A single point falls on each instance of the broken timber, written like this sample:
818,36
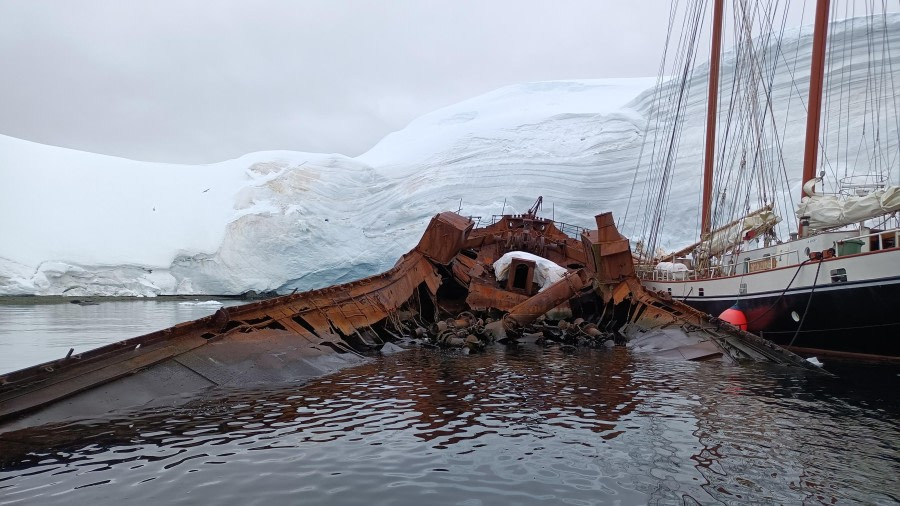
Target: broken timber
303,335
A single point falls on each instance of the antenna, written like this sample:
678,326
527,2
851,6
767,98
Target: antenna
504,207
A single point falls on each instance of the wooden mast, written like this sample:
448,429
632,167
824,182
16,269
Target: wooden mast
715,52
814,108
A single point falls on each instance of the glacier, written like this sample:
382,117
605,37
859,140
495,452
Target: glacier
81,224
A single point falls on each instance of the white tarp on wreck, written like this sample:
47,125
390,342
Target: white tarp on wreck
545,272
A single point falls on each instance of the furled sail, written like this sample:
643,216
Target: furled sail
742,230
827,211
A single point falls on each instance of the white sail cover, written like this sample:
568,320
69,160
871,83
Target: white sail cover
743,230
826,211
546,272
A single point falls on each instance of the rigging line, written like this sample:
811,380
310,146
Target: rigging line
787,193
879,153
773,163
825,161
672,123
890,73
742,103
849,88
808,303
866,99
828,80
791,69
781,295
654,216
657,92
758,164
871,87
888,89
723,146
652,171
845,80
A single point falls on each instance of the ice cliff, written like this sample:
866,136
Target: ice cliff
78,223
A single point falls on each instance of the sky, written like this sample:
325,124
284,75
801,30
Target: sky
201,81
186,81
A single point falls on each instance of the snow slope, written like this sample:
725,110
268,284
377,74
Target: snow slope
79,223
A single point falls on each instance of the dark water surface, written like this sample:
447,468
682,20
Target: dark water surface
522,425
511,426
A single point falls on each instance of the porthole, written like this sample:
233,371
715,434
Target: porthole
795,316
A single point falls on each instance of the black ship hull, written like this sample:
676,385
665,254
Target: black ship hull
861,317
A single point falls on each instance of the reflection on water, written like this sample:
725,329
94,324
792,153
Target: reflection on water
32,334
511,426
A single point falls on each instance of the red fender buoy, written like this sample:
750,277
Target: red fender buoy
734,316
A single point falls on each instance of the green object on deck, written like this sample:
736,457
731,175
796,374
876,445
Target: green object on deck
851,247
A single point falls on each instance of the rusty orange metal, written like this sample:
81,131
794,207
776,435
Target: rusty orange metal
484,295
552,296
444,237
451,269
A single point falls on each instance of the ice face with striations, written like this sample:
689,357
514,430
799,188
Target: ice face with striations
79,223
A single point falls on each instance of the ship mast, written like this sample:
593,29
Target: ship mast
814,110
715,52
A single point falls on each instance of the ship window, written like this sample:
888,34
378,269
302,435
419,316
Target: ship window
839,275
700,292
743,289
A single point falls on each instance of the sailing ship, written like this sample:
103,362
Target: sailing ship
835,284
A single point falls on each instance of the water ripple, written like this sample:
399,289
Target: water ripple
520,426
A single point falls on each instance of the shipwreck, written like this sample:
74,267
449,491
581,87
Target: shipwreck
463,286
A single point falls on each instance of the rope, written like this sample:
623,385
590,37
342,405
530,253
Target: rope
808,303
782,292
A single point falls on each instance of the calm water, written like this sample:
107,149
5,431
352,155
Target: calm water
31,334
511,426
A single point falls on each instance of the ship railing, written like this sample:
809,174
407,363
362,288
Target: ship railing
570,230
769,261
650,272
885,239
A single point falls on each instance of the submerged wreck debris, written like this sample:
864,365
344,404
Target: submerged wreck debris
555,283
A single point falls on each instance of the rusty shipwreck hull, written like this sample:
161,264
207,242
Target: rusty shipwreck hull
283,339
448,274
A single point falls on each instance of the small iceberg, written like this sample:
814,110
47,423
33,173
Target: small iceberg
202,303
814,361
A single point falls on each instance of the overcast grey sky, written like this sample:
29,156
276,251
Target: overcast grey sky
202,81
